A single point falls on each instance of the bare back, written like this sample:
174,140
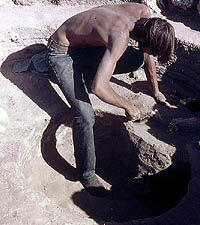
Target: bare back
95,26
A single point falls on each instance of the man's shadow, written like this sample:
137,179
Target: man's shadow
37,88
49,150
41,92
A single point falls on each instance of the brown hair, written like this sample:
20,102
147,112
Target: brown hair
157,34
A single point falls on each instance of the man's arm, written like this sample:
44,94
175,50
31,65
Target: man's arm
101,85
150,71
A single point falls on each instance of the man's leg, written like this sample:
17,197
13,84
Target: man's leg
73,87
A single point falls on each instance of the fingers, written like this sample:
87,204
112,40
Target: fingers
135,116
165,103
160,98
169,105
132,115
135,119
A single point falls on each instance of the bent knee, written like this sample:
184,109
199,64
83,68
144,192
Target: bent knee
84,114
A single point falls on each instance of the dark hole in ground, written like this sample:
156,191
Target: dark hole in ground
156,193
193,105
164,189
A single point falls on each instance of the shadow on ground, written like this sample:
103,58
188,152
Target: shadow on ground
189,17
38,89
121,204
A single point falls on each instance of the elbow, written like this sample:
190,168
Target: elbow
96,89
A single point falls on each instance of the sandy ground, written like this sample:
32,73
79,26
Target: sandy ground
37,165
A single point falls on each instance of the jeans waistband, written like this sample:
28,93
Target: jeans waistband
56,45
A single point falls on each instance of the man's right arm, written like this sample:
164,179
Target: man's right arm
101,85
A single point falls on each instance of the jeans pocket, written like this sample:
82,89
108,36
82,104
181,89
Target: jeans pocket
52,65
59,63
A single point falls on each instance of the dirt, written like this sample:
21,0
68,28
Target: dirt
38,179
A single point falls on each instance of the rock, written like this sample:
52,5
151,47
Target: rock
184,4
140,148
23,2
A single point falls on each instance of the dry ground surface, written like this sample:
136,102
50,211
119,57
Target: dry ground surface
37,170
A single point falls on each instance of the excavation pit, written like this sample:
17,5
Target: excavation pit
134,193
151,171
145,165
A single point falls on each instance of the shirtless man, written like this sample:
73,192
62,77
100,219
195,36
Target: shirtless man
108,26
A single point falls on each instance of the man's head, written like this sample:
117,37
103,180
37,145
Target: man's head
156,37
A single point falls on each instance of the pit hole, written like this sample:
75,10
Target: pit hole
193,105
54,175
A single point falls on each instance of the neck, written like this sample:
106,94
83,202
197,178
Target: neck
137,30
134,34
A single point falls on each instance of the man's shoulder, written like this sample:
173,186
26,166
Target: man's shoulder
138,9
146,13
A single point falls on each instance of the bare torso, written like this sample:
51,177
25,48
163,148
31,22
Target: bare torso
109,26
95,26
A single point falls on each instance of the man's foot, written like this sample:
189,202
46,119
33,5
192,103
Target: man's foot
94,187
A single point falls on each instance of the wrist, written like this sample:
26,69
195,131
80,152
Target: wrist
156,92
127,106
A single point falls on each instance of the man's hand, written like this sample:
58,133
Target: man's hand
160,98
150,71
133,112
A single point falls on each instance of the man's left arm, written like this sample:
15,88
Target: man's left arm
150,71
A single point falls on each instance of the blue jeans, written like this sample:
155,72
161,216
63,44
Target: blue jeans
71,82
73,70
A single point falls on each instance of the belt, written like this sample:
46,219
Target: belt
51,43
